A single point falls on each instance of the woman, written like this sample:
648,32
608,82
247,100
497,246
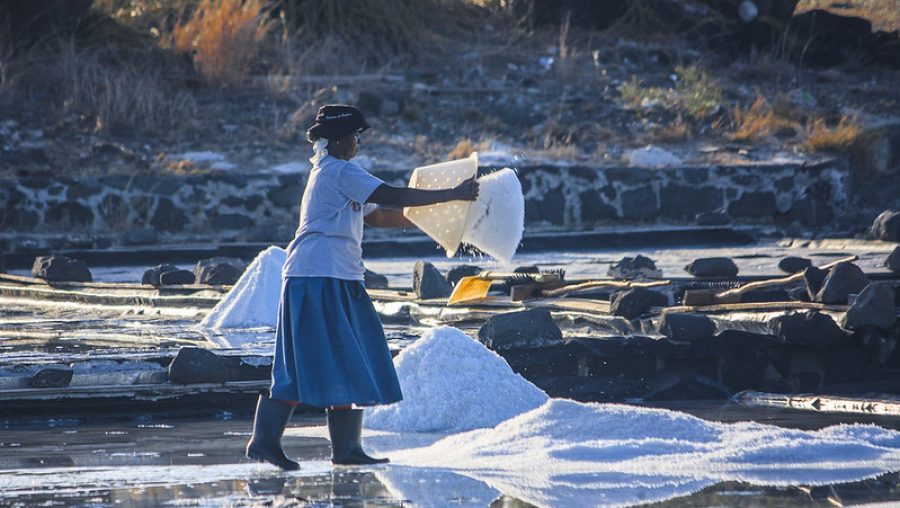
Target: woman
330,349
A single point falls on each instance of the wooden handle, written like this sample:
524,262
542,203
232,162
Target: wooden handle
603,283
780,281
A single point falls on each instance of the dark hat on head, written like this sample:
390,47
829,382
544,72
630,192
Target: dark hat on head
335,121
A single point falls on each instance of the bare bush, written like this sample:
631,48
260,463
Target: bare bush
224,38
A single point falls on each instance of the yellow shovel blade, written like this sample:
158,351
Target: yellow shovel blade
470,289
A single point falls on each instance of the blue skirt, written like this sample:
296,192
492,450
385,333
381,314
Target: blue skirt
330,348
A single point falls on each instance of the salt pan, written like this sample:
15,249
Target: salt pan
452,383
497,218
253,300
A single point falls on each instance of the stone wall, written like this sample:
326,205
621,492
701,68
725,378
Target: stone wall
572,197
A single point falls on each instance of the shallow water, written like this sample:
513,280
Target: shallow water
163,461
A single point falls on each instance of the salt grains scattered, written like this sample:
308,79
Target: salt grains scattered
253,301
497,219
452,383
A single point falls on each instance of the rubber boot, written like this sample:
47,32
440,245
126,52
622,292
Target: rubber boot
268,427
345,430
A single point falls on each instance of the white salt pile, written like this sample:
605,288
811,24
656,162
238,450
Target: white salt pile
557,452
253,300
452,383
497,218
567,453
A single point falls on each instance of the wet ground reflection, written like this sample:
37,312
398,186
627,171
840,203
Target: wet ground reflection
160,461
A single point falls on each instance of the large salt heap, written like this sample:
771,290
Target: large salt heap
253,300
452,383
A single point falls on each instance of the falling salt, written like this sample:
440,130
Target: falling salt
497,218
253,301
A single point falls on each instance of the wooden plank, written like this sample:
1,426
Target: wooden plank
573,304
10,280
751,307
46,294
823,403
140,391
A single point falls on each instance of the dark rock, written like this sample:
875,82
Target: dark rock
219,271
753,205
638,267
375,280
550,208
197,365
873,308
814,277
168,217
60,269
429,283
267,232
716,218
685,386
526,329
842,281
892,262
806,372
458,272
527,269
231,221
151,276
887,226
686,202
70,213
639,204
594,208
176,278
287,197
82,190
712,267
140,236
632,303
793,264
809,328
814,207
51,377
798,294
686,327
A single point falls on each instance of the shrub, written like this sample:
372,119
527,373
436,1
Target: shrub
758,121
223,37
843,137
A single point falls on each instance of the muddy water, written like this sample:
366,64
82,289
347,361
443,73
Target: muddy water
165,461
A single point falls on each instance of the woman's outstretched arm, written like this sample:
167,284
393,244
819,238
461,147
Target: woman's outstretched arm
384,217
398,197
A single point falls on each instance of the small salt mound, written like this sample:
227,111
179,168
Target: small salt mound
497,218
652,157
452,383
253,301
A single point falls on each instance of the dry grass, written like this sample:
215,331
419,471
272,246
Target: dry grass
696,93
842,138
759,121
463,149
125,94
224,38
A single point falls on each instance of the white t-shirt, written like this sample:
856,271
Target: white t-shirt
328,242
